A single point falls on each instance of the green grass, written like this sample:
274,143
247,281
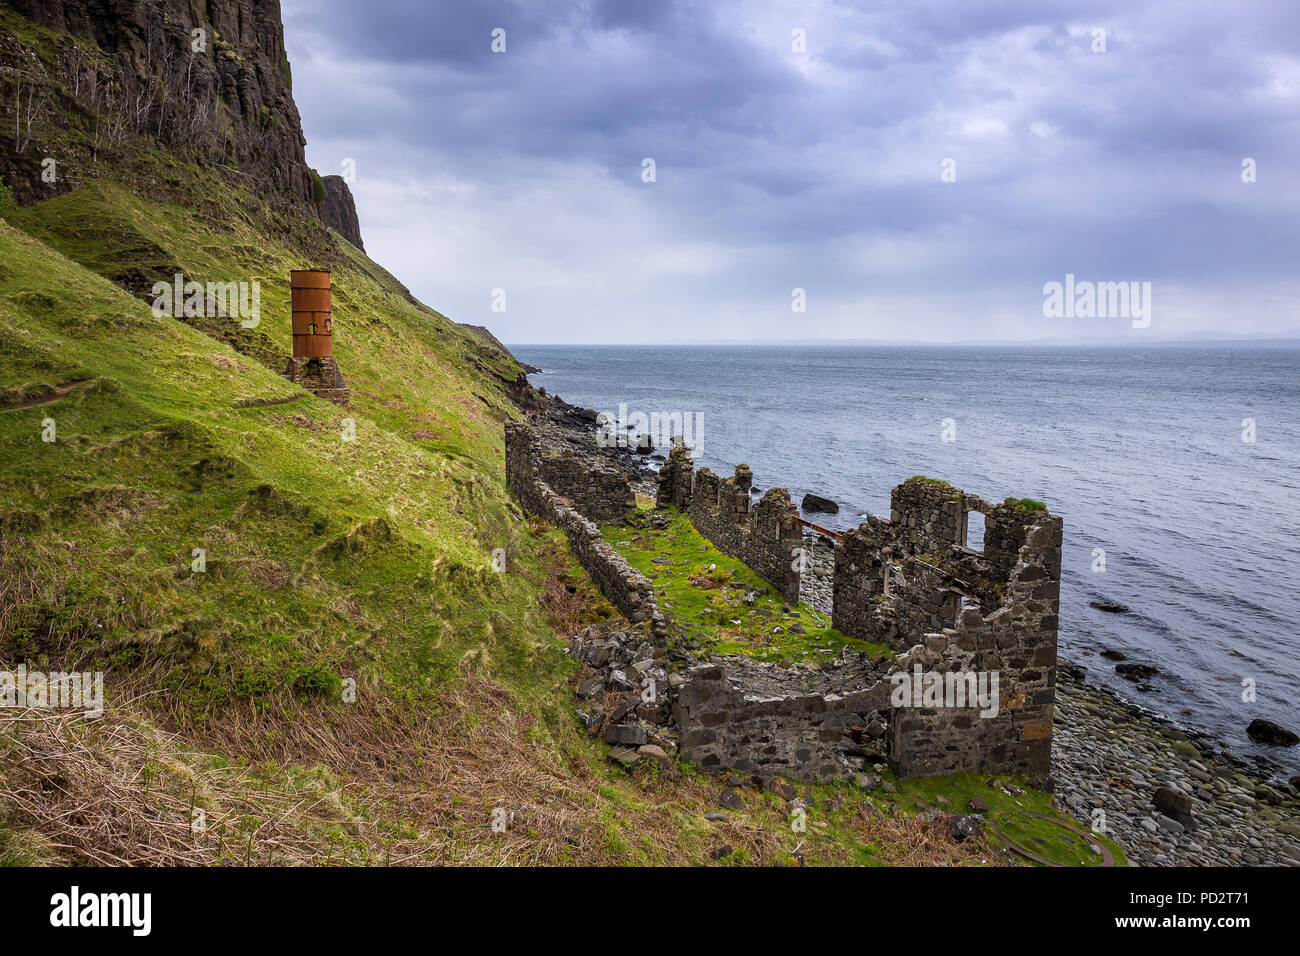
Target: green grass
1041,837
711,603
327,557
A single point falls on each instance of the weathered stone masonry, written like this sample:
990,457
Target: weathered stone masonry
732,718
909,583
626,588
766,536
990,611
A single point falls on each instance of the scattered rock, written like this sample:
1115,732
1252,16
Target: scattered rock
1175,805
1169,825
963,826
624,707
1266,732
731,800
867,781
1110,607
657,754
627,734
978,806
780,788
1071,670
1112,655
1136,672
624,756
814,503
722,852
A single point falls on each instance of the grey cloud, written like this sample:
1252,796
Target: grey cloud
821,171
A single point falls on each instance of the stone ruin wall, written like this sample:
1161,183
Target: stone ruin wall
626,588
726,722
995,610
766,535
948,609
598,491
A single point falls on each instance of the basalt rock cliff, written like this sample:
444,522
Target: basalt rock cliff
339,212
86,82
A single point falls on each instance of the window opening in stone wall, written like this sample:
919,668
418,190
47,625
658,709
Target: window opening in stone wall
974,531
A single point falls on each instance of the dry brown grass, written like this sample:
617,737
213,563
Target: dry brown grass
382,781
377,783
19,584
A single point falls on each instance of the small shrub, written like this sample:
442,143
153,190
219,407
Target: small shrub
318,681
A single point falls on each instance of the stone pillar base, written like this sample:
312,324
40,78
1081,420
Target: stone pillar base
321,377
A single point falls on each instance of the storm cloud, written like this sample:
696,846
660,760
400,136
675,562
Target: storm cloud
802,146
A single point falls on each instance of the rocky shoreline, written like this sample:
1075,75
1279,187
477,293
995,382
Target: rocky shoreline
1170,797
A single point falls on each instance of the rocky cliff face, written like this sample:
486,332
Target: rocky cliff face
205,79
338,210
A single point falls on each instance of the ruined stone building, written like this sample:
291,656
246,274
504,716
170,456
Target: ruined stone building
910,583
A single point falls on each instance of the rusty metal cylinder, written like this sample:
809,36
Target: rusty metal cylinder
309,290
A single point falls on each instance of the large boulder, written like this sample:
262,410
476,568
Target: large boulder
1175,805
815,503
1266,732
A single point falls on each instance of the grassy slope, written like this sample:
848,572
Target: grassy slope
158,442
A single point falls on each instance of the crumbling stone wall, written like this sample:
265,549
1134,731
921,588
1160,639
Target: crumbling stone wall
676,481
1018,640
599,491
626,588
765,536
740,718
975,612
911,584
931,571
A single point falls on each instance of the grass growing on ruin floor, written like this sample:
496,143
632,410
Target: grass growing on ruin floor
706,590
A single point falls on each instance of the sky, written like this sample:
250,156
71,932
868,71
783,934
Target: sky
914,171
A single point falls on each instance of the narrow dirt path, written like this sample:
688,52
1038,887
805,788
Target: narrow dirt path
57,394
